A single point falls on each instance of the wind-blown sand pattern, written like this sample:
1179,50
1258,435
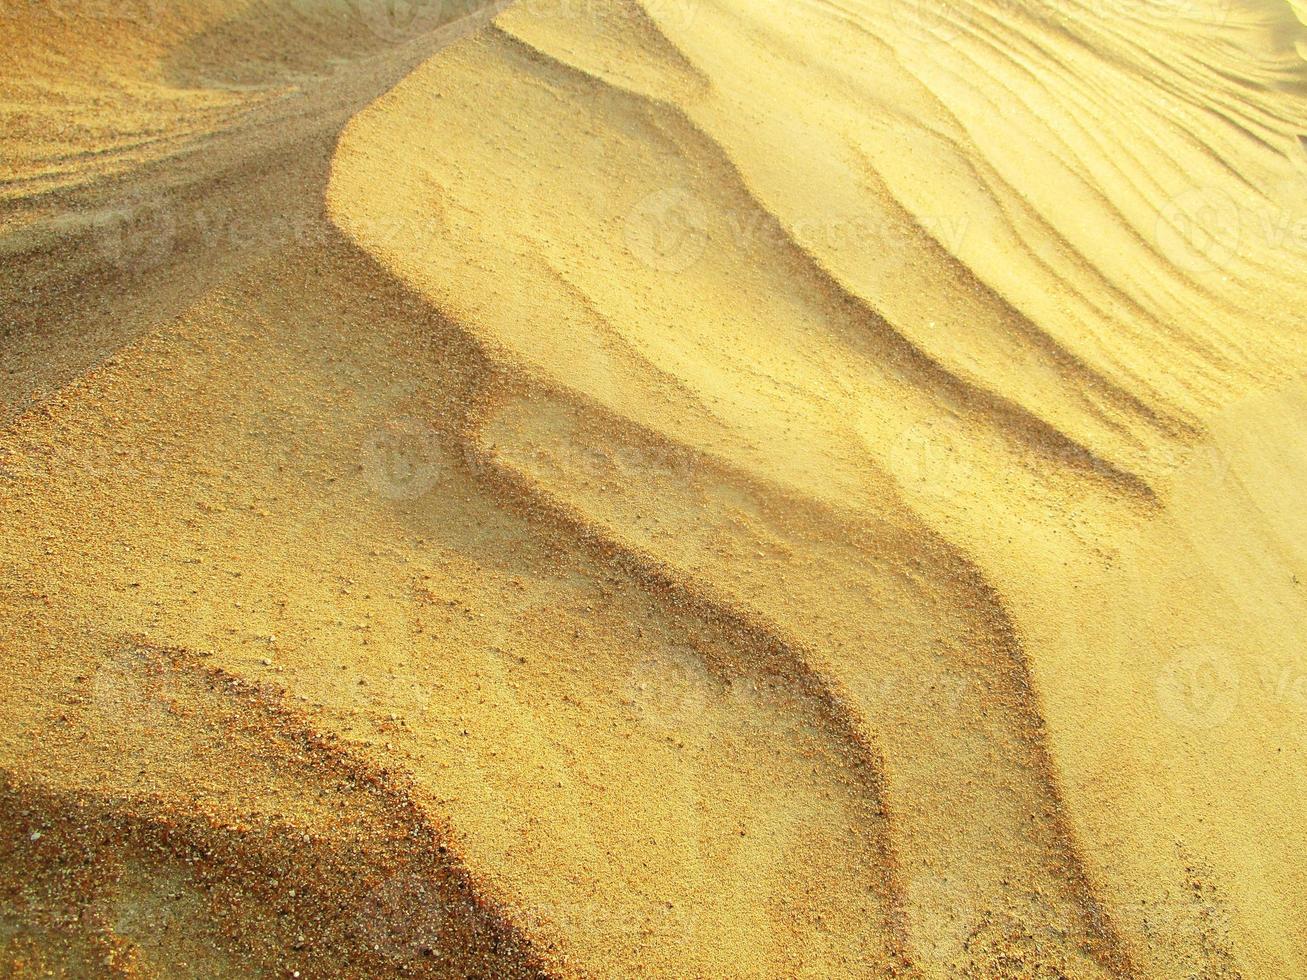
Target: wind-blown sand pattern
680,488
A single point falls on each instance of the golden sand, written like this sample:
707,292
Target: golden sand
661,488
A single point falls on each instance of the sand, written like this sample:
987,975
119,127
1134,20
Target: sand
679,488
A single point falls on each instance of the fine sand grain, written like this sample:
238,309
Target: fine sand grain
653,488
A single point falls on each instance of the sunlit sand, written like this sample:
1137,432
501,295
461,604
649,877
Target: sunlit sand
677,488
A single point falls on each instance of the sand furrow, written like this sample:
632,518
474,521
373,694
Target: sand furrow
947,907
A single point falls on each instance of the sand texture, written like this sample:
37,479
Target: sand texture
653,488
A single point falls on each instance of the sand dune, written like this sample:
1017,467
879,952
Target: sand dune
668,488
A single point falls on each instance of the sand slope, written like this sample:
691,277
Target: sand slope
668,489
